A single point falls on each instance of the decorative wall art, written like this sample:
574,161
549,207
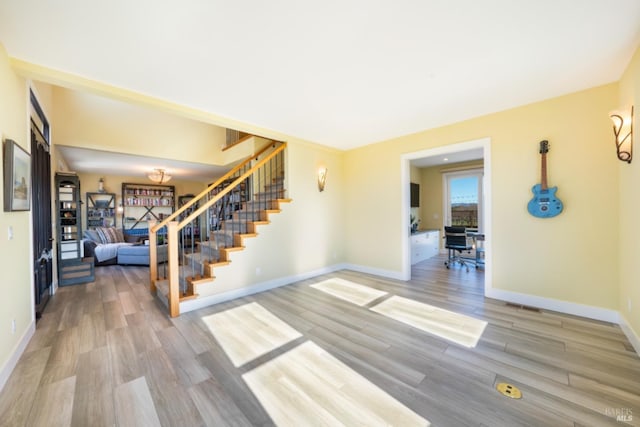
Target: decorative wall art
17,177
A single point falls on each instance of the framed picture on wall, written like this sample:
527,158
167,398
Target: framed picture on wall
17,177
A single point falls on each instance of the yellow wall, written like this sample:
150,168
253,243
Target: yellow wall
90,121
16,283
630,202
573,257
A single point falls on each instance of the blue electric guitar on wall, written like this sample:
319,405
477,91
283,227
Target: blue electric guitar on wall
544,204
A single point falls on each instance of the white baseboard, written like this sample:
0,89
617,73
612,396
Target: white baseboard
196,304
597,313
391,274
21,345
632,336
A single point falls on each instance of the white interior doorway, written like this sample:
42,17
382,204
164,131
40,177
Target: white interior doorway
484,145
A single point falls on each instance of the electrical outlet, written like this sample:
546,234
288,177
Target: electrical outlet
258,271
13,326
10,233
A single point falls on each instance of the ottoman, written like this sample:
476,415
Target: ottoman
139,254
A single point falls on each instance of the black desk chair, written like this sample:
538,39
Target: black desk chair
456,242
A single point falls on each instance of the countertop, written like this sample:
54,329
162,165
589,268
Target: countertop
428,230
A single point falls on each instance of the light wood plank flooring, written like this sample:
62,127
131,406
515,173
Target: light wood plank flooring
106,354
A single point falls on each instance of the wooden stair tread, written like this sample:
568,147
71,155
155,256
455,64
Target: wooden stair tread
162,286
202,280
188,297
219,264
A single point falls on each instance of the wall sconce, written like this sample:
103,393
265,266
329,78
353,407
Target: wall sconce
623,130
322,178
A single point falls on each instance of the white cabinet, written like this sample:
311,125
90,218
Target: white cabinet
424,245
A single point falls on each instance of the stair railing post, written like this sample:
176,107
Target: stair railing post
174,269
153,256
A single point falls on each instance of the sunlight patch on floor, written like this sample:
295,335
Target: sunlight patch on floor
451,326
349,291
308,386
249,331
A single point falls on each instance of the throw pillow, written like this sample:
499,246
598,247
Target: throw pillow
120,235
109,235
92,235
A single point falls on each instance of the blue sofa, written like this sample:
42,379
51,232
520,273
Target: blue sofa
139,254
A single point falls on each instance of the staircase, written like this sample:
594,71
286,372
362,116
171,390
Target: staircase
231,210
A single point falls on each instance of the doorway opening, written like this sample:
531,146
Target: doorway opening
476,165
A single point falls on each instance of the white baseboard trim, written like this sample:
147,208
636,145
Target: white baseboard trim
597,313
391,274
632,336
196,304
21,345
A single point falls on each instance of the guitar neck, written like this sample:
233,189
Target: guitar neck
543,172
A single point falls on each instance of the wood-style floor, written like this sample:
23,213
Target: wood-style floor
106,354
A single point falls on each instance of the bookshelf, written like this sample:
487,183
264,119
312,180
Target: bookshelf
101,210
143,202
72,267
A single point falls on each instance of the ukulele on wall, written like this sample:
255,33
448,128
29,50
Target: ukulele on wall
544,204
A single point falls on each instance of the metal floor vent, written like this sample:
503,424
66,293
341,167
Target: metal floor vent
523,307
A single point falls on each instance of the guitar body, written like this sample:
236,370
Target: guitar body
544,204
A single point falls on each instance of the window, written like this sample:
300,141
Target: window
38,118
463,199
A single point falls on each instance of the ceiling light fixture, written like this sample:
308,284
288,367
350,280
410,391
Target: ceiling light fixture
159,176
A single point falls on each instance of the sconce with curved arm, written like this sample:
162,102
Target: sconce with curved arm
322,178
623,131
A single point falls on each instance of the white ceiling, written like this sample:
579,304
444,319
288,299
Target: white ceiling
109,164
342,73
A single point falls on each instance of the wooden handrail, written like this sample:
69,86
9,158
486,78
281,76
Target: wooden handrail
197,198
230,187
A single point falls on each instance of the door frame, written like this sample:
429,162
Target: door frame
35,111
405,209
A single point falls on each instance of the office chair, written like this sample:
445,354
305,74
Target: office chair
456,243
